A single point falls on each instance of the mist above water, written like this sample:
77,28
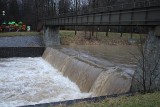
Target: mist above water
27,81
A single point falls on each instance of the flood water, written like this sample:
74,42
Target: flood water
120,54
27,81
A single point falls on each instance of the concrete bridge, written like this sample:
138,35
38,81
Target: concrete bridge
143,13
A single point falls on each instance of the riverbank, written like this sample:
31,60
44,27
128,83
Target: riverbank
84,38
139,100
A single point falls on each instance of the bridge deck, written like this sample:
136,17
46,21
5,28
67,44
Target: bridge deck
139,13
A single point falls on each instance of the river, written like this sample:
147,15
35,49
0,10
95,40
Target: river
28,81
122,54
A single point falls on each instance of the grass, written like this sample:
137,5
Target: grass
69,37
67,34
140,100
110,34
9,34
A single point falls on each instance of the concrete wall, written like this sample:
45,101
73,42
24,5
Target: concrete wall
22,41
51,36
8,52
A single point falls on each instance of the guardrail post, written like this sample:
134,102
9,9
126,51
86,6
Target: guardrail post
107,31
131,32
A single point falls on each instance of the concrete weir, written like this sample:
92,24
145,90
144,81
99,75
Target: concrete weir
90,78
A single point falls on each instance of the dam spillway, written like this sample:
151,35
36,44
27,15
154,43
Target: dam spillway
81,78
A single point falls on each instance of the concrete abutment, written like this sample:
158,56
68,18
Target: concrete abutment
51,36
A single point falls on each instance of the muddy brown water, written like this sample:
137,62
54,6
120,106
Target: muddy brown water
91,77
122,54
96,70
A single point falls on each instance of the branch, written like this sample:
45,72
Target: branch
138,81
156,76
155,67
134,56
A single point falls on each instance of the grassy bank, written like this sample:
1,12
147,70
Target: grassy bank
19,34
139,100
84,38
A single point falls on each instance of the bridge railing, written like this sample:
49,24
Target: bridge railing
125,6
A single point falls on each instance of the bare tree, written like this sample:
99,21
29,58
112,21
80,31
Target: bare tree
147,75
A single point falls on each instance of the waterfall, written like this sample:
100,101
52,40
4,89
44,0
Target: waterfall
90,78
112,81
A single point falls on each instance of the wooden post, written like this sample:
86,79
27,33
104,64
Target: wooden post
107,31
97,33
76,17
52,8
131,32
48,8
157,31
121,34
85,33
120,30
75,28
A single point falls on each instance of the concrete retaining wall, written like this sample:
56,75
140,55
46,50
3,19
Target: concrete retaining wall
22,41
7,52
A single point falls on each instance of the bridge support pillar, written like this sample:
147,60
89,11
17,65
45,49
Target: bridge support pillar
51,36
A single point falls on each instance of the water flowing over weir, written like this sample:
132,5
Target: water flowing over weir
29,81
88,77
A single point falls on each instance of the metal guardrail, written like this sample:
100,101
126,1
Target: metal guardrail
121,7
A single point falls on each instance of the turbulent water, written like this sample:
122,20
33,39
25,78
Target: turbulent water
27,81
90,74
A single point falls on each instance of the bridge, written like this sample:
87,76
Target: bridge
141,13
131,14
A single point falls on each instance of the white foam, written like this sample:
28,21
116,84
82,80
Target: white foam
27,81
